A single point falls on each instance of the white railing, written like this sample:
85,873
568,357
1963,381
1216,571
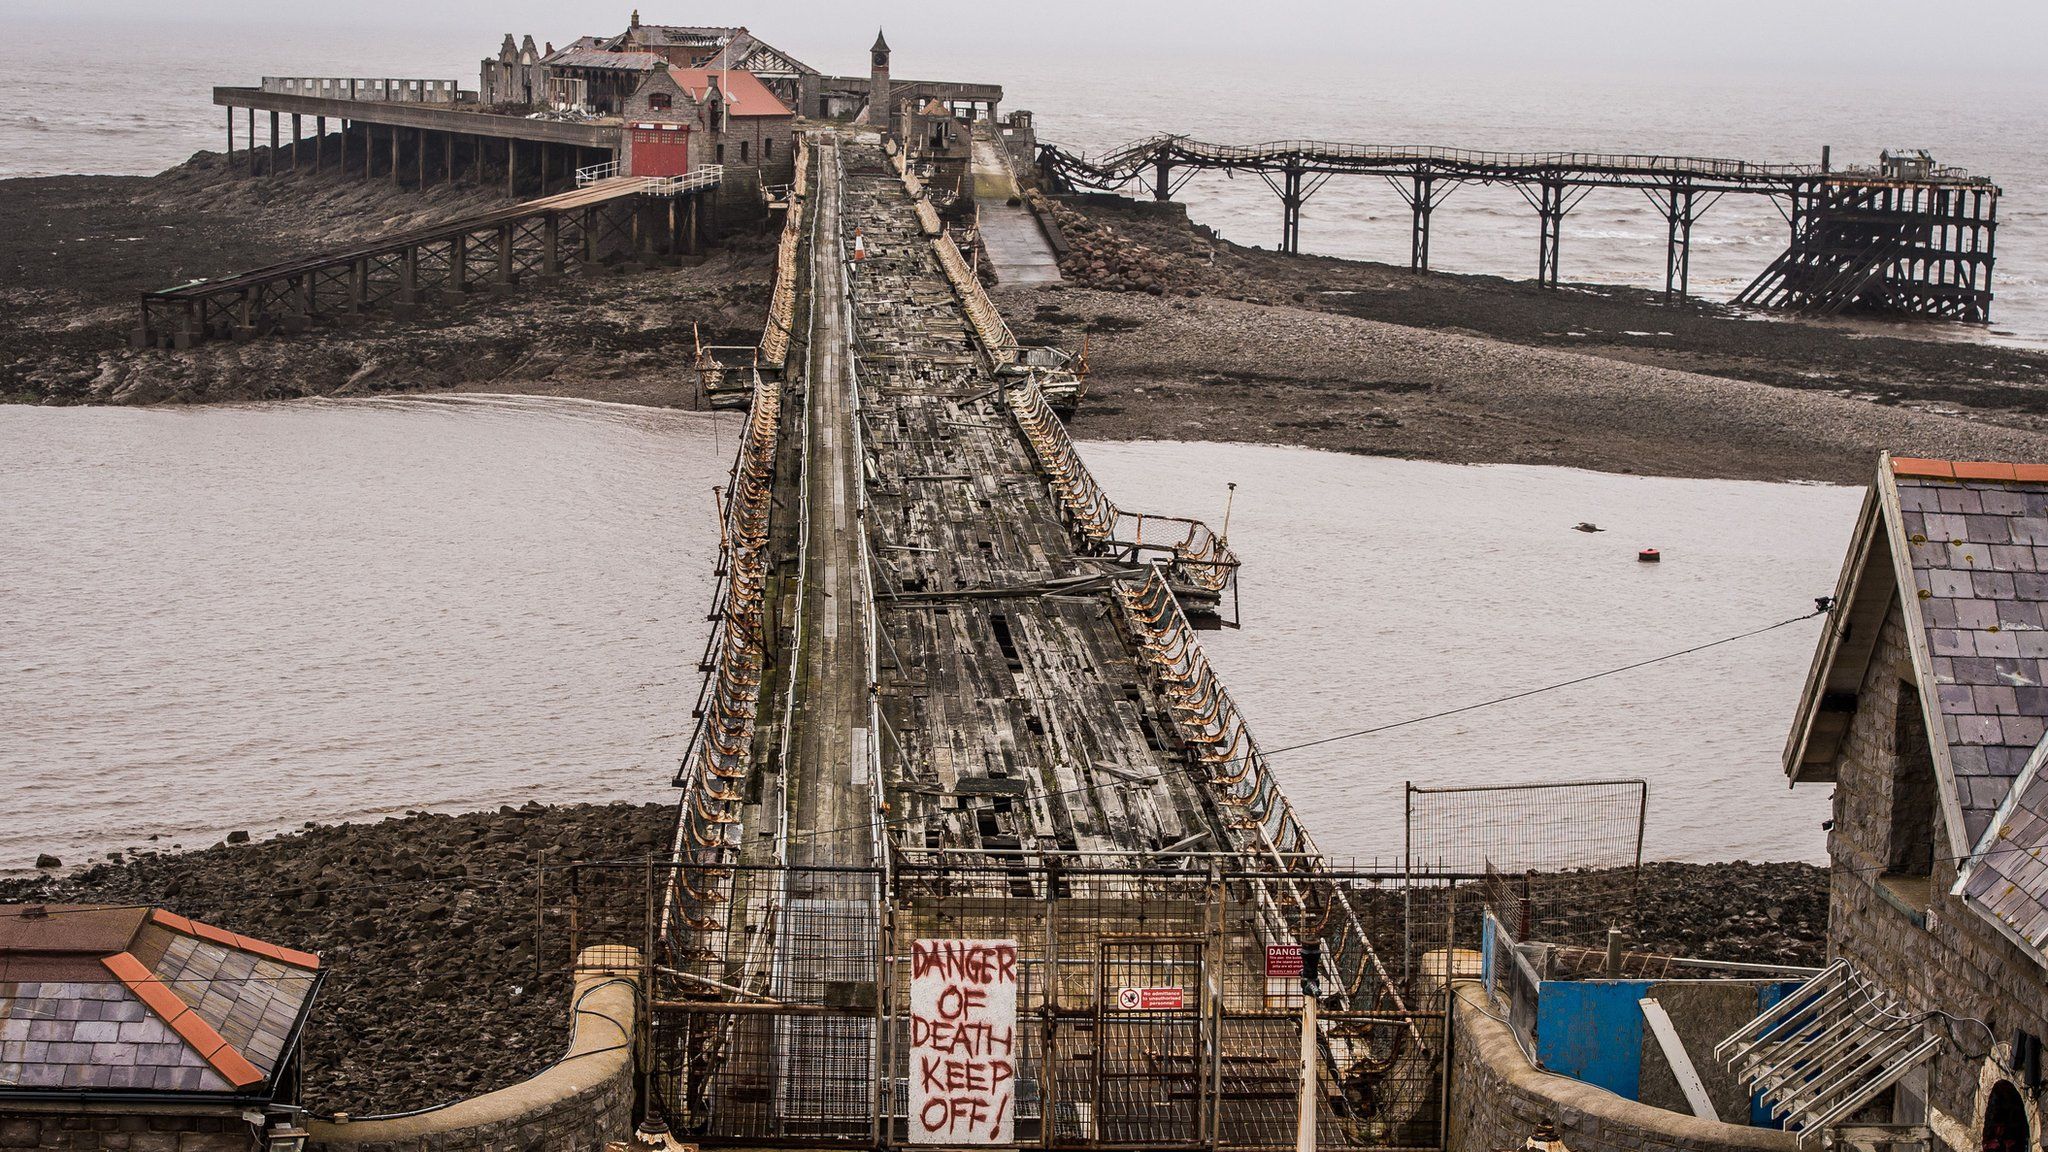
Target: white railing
708,177
388,90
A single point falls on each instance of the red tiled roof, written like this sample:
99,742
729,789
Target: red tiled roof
145,999
746,95
1997,470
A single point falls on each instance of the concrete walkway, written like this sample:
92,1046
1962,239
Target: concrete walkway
1016,244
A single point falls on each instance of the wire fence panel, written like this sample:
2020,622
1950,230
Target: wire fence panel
1526,827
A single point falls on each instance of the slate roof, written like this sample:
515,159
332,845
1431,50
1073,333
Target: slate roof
142,1000
1980,582
1960,550
2006,880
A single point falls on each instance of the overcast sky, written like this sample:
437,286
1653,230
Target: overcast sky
2002,40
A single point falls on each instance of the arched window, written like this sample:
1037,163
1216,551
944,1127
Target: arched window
2005,1121
660,101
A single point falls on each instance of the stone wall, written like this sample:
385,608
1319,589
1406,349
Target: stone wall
1498,1097
118,1128
1983,976
575,1106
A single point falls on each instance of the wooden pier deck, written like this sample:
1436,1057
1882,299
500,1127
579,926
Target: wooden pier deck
956,695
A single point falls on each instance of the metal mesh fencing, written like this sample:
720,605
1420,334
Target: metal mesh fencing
1526,827
1146,1016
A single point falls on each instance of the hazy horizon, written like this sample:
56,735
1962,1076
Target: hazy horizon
1875,41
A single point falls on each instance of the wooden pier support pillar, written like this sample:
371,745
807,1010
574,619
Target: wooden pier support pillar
589,253
252,141
419,137
544,169
319,141
358,284
1422,203
188,332
447,157
409,276
1162,179
511,167
396,171
273,143
231,139
506,234
295,141
458,268
551,245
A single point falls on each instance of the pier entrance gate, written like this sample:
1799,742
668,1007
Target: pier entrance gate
1144,1014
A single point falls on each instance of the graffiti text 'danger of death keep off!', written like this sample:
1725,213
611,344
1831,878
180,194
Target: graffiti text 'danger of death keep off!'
963,1041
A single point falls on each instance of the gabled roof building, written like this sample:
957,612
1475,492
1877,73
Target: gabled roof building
1926,707
138,1015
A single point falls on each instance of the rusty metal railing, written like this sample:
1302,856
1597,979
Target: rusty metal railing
1197,558
782,304
715,768
1301,902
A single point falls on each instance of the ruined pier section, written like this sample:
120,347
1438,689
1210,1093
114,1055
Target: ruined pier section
1905,236
978,709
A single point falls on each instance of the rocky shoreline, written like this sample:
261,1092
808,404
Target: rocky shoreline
1191,337
446,937
78,250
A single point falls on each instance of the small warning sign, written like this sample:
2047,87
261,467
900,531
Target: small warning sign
1151,999
1283,961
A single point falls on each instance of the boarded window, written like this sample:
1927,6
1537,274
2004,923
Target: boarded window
1911,848
743,151
660,101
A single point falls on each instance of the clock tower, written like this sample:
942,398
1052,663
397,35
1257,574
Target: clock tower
880,109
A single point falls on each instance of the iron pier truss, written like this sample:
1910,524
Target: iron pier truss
1904,237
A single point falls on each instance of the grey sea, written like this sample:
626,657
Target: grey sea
248,617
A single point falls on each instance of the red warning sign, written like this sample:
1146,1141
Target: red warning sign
1283,961
1151,999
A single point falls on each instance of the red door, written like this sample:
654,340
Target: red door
661,149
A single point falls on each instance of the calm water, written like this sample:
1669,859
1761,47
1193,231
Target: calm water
247,617
1379,590
102,120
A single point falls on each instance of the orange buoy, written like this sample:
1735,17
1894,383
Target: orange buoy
1649,556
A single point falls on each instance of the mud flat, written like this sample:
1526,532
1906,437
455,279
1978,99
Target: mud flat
76,251
1192,337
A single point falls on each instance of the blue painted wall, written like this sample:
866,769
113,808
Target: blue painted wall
1592,1030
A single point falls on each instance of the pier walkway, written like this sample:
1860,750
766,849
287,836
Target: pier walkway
956,695
1015,243
620,217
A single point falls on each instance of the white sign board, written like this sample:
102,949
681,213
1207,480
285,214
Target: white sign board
963,1042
